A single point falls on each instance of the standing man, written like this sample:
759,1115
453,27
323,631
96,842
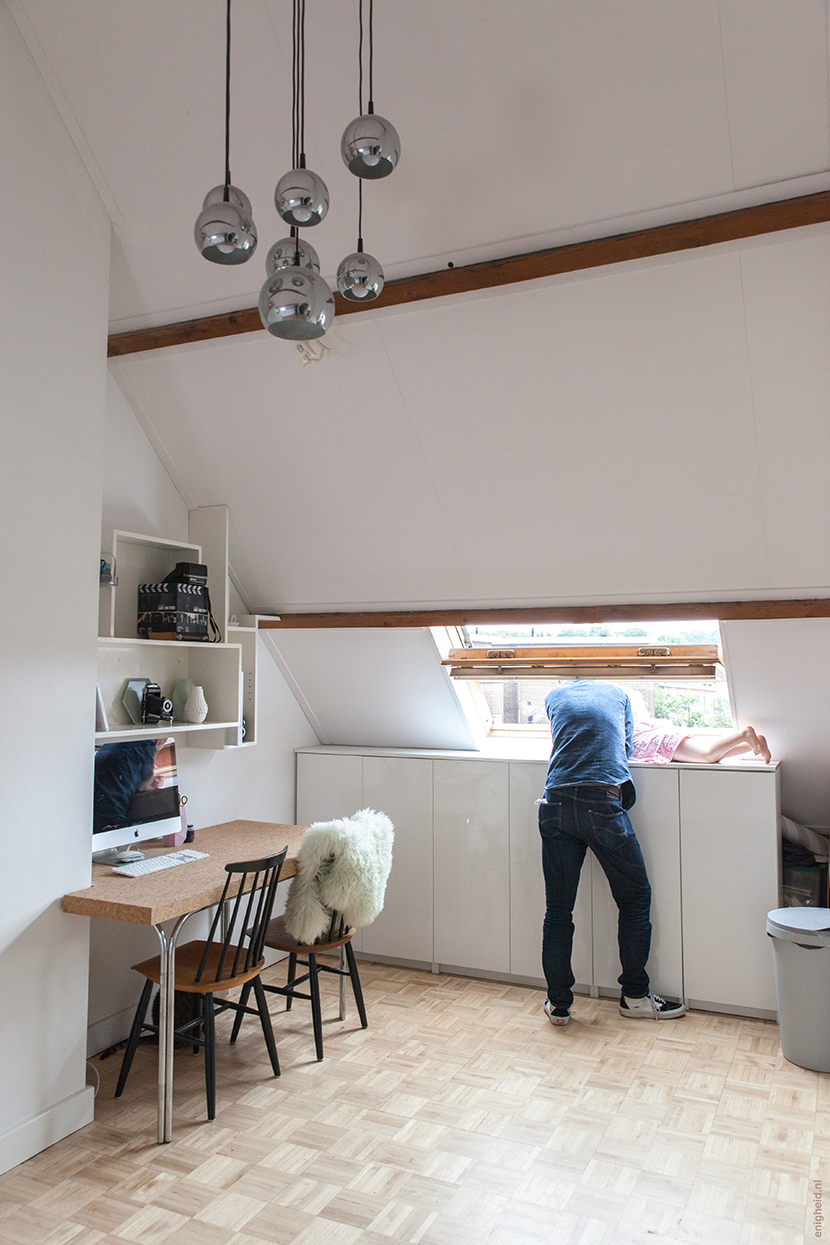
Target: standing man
587,790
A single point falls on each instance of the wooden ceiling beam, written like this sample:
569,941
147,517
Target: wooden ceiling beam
640,244
540,615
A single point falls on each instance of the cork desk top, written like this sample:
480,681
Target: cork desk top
171,893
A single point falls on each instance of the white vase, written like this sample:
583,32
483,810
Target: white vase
195,708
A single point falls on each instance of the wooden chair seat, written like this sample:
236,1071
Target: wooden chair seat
215,977
278,938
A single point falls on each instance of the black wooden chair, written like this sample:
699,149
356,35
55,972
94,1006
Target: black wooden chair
206,968
338,939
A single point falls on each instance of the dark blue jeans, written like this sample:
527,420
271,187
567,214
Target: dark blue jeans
572,820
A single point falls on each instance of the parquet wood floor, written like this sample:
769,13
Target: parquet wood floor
460,1117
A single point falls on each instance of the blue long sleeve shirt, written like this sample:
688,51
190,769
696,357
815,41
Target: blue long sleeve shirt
592,729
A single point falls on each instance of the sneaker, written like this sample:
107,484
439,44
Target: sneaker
651,1006
557,1015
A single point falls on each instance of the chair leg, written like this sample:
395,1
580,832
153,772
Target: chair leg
135,1034
316,1016
356,986
209,1031
289,981
240,1016
265,1021
195,1048
341,983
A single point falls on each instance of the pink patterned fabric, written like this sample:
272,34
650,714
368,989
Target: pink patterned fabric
656,741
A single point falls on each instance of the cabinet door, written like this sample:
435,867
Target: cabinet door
472,908
730,855
656,821
527,884
328,786
401,787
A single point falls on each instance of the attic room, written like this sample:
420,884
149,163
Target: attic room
622,434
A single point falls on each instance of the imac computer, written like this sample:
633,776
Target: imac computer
136,797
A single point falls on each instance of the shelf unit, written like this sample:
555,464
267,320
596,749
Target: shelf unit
226,670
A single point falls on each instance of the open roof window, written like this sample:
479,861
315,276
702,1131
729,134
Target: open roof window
671,670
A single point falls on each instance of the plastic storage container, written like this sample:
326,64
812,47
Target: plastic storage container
801,958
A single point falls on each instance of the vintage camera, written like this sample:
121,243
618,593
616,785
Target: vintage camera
154,706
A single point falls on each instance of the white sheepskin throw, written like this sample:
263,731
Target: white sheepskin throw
342,866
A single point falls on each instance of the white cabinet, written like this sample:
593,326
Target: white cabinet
467,858
401,787
730,858
328,786
472,865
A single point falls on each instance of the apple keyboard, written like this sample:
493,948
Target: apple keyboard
152,864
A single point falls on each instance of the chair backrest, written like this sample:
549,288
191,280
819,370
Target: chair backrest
251,886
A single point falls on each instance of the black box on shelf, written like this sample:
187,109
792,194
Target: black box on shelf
173,611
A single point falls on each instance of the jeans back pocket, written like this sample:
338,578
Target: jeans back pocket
610,826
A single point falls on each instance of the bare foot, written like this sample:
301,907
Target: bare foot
763,750
758,744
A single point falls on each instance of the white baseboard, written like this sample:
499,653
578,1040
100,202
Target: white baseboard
29,1138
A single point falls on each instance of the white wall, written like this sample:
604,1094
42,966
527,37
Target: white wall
257,783
780,684
54,257
373,687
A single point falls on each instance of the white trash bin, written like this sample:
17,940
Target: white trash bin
801,958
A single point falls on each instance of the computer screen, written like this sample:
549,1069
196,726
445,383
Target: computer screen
136,794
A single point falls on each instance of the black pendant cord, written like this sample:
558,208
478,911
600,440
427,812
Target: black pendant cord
295,91
371,55
298,74
360,61
227,103
360,214
298,105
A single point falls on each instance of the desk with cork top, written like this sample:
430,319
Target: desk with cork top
174,895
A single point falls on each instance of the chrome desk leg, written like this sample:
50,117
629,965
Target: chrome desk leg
342,985
167,990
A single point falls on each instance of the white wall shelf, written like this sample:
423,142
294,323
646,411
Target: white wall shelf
138,560
215,667
226,670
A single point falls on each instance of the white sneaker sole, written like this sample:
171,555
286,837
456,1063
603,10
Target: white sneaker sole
653,1015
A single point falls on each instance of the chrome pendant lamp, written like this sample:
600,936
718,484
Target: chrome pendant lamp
224,230
360,276
370,145
295,303
301,197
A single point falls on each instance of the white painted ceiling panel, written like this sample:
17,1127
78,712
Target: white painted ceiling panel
776,74
519,122
580,442
319,465
576,440
788,316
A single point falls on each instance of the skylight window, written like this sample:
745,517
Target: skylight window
671,670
